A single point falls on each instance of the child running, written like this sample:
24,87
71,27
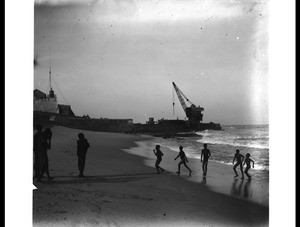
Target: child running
205,154
159,155
239,161
248,161
183,160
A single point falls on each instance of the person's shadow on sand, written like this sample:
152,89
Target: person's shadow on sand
203,180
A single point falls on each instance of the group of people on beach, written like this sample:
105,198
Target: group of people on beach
239,162
159,154
41,144
205,155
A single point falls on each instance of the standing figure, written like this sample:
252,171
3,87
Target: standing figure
183,160
43,155
37,147
239,162
82,147
248,161
205,154
159,155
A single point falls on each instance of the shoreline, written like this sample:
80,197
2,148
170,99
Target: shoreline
121,190
220,176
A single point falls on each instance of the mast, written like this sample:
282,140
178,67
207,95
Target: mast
51,92
50,69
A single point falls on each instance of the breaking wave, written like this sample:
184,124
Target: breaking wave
245,139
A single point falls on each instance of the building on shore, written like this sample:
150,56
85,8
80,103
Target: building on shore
47,111
48,104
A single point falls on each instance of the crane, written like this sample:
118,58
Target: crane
193,113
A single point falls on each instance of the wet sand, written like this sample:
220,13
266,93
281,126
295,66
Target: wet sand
121,190
220,177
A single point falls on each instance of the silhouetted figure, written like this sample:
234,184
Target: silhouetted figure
43,155
205,154
248,161
37,147
183,160
159,155
239,162
82,147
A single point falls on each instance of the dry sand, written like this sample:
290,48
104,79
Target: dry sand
120,190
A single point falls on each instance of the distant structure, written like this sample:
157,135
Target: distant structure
193,113
45,103
170,127
151,121
47,111
48,104
65,110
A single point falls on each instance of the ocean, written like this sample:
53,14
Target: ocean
252,139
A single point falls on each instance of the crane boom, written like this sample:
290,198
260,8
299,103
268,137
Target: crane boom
193,113
178,92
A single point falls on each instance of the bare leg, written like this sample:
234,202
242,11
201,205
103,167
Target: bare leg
246,172
178,172
42,171
234,169
157,169
47,172
161,169
36,167
187,167
157,165
206,168
241,167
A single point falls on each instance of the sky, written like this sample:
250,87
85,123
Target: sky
118,59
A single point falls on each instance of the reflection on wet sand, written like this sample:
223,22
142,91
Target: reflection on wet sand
241,188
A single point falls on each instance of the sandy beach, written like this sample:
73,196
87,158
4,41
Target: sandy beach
122,189
220,177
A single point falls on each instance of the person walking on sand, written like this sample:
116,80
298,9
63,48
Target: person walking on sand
205,154
82,147
37,147
248,161
159,155
239,162
183,160
43,155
